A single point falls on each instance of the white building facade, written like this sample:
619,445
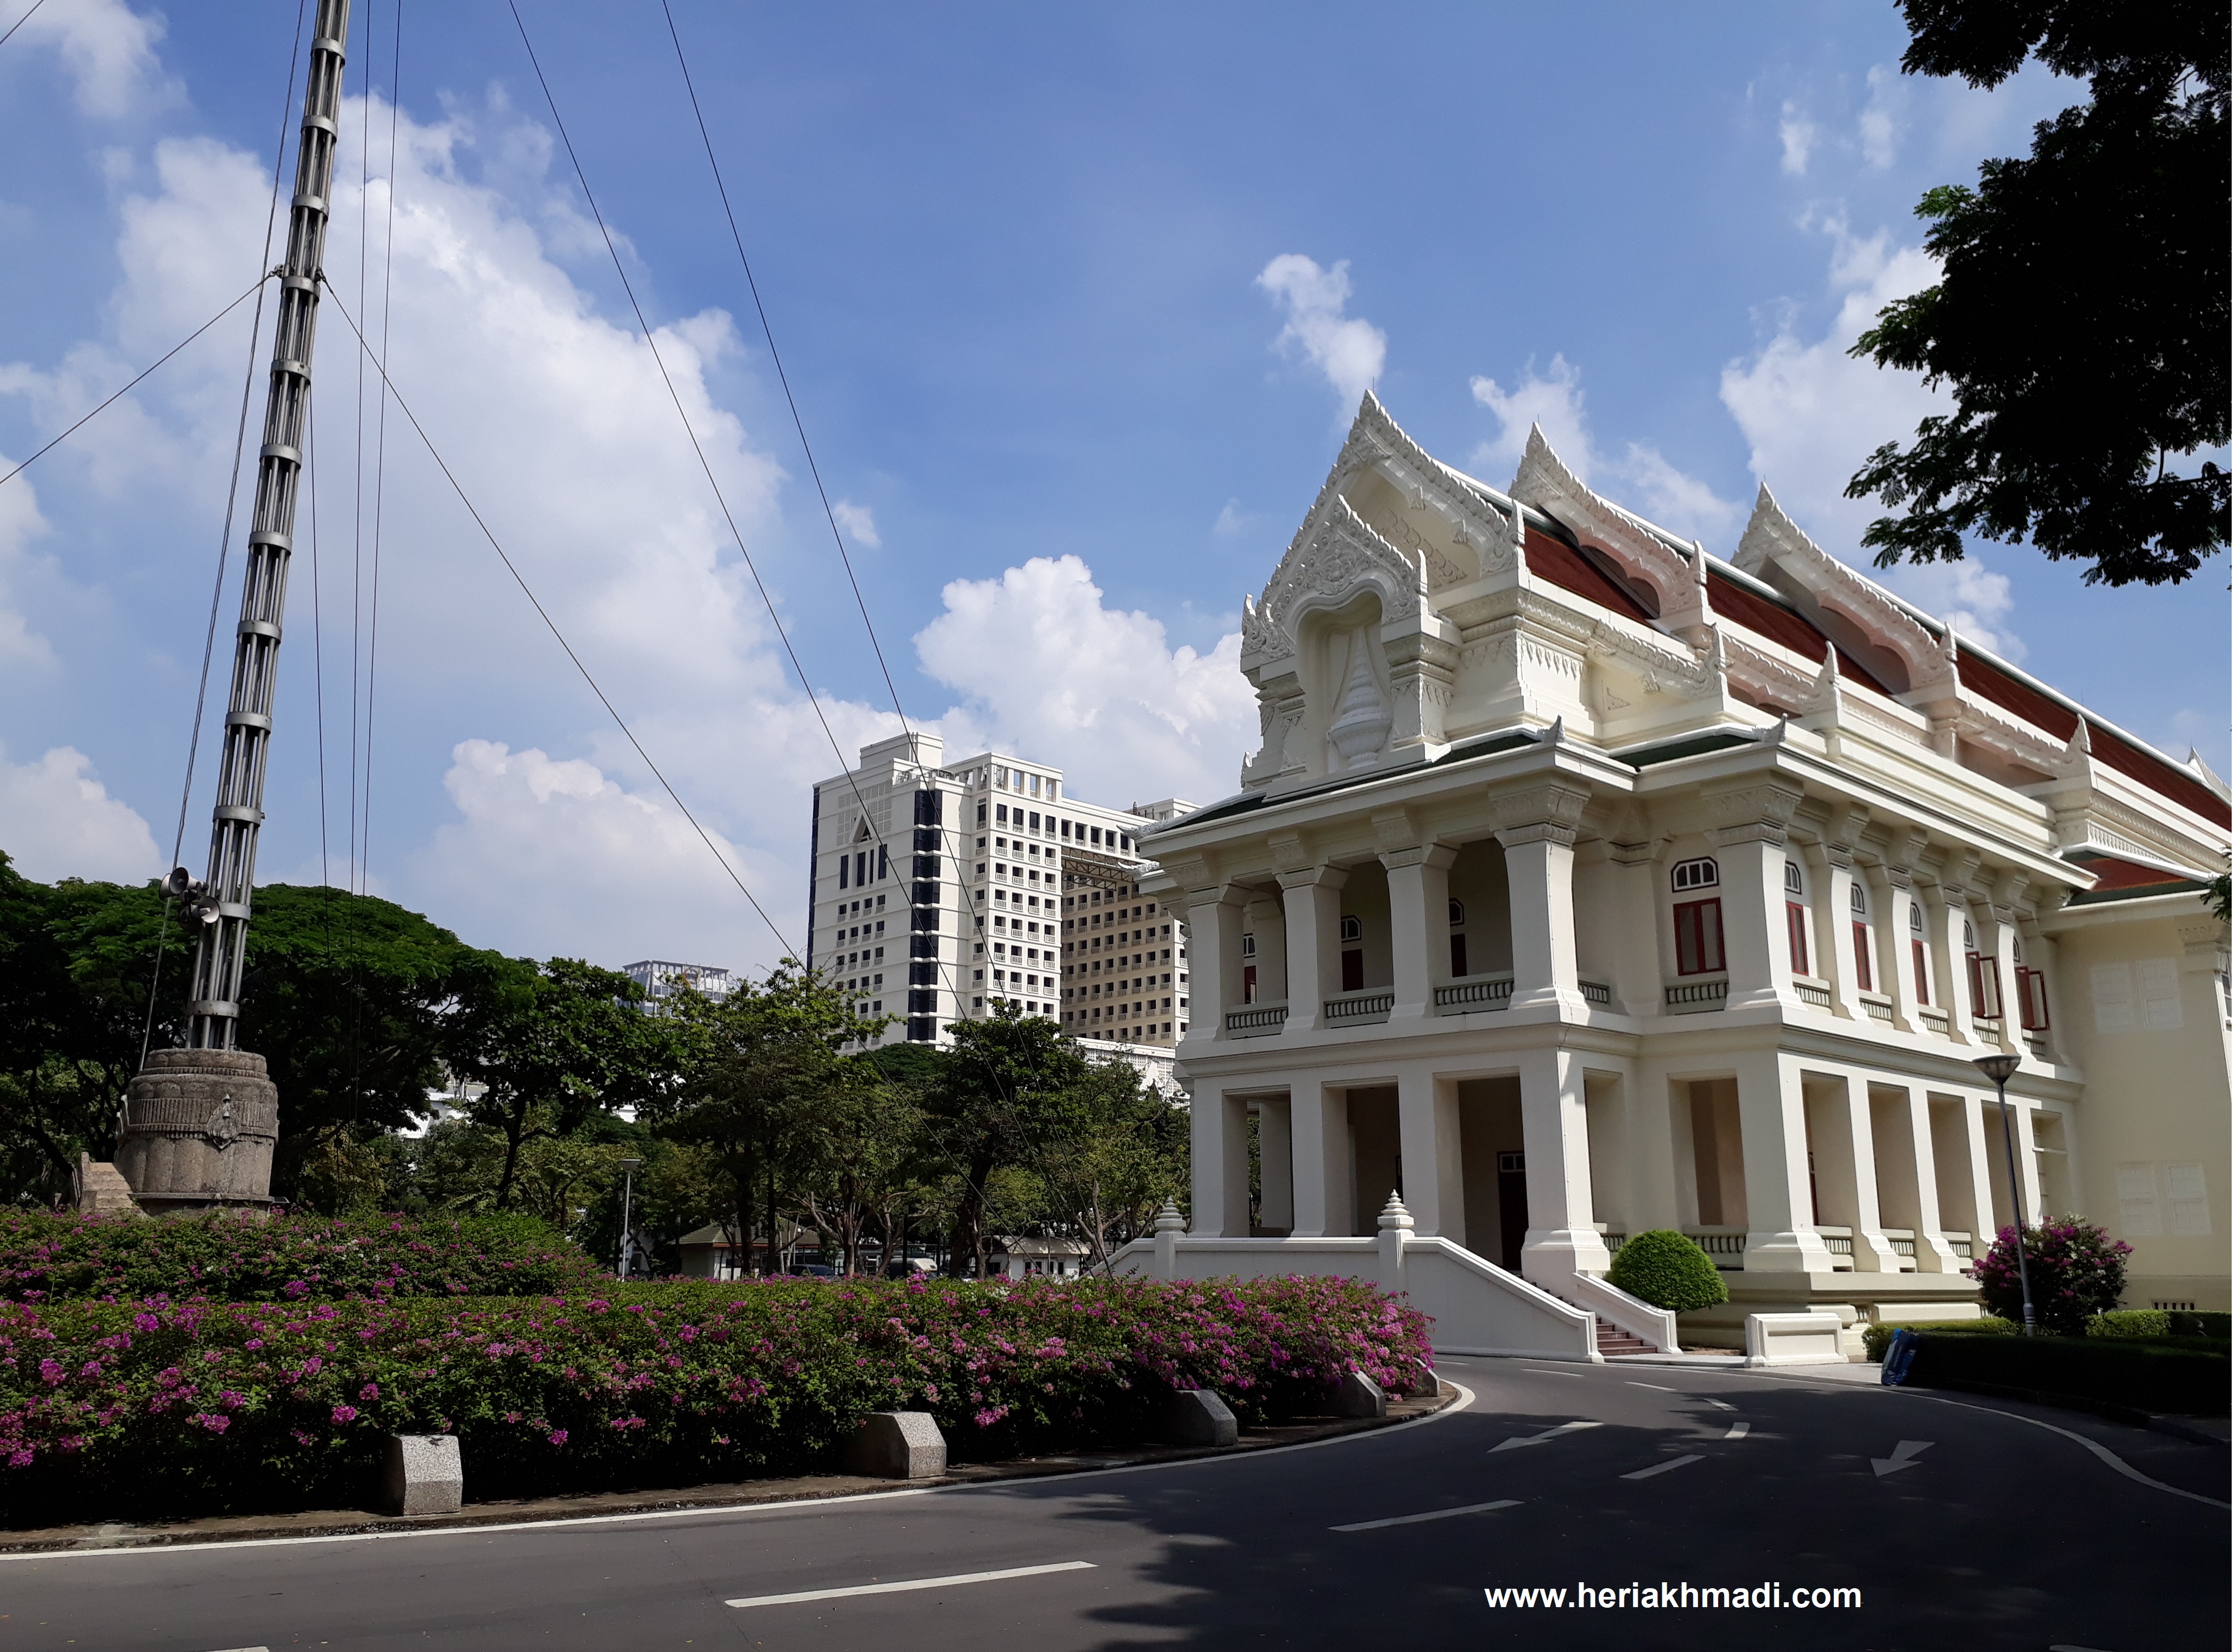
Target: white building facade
1587,882
940,891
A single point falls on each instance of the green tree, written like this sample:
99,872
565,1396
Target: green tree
548,1045
1125,1153
2082,318
1013,1086
757,1067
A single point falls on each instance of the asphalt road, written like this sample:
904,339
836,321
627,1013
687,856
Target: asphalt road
1962,1526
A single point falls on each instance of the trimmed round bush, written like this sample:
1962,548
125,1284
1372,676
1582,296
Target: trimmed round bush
121,1411
226,1258
1664,1268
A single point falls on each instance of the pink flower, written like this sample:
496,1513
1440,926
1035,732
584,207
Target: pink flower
558,1437
345,1413
370,1391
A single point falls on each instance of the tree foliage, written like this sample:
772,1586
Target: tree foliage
2081,319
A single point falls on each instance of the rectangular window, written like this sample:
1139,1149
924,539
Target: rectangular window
842,872
885,866
1459,955
2033,1000
1863,956
1796,937
1987,994
1921,972
1354,971
1699,937
1250,983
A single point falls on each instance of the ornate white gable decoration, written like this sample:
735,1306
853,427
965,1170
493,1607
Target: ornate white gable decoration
1334,557
1545,482
1771,537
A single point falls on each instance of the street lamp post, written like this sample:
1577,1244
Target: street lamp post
2000,1068
628,1189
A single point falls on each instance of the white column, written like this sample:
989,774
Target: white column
1214,958
1890,899
1320,1139
1945,921
1974,1195
1905,1152
1752,862
1420,954
1847,1147
1996,930
1540,908
1277,1204
1429,1142
1312,905
1220,1169
1774,1137
1556,1146
1636,910
1833,870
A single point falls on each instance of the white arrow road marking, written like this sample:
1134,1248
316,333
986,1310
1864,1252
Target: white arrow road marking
1512,1441
1738,1431
1434,1514
1664,1468
914,1583
1906,1457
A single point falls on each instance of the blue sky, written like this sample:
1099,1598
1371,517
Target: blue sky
1075,301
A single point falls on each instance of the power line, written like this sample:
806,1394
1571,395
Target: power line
21,21
247,293
419,430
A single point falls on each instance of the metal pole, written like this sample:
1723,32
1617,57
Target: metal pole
629,1192
214,1000
2018,1210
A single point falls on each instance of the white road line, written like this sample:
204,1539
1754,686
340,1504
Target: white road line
1552,1371
1663,1468
1656,1386
1514,1441
1718,1404
1738,1431
1435,1514
914,1583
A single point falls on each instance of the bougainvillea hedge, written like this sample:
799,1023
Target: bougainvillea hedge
118,1411
310,1258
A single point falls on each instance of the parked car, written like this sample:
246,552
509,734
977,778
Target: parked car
815,1271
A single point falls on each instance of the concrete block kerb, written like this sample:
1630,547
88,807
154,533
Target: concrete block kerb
423,1474
1360,1395
1794,1339
1198,1417
897,1446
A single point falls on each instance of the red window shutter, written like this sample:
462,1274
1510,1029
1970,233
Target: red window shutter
1924,975
1796,937
1987,1000
2033,1000
1699,937
1863,956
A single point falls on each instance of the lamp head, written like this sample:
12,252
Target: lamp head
1998,1068
630,1164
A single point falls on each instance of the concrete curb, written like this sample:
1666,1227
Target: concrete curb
327,1524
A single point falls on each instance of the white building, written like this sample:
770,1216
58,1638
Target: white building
660,980
1588,883
939,890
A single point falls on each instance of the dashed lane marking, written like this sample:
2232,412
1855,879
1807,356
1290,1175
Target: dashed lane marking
1434,1514
1664,1468
1656,1386
913,1583
1738,1431
1718,1404
1552,1371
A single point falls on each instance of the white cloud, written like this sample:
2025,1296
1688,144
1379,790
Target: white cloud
1811,414
1638,479
1348,349
1232,519
1046,668
1797,135
57,822
20,524
558,858
109,48
857,524
1875,127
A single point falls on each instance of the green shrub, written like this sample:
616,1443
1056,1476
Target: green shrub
224,1258
1669,1270
2146,1376
2131,1322
1876,1336
113,1411
2185,1323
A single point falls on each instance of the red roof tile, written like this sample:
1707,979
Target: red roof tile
1783,626
1558,564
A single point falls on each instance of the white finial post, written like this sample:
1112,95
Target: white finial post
1169,1225
1393,1227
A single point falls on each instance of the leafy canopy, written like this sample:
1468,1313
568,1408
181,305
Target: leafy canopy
2082,320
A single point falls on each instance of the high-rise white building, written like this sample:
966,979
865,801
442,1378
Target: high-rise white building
939,890
660,980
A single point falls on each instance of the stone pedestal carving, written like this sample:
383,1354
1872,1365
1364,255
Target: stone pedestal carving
199,1130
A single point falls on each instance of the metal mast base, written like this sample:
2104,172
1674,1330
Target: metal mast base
199,1126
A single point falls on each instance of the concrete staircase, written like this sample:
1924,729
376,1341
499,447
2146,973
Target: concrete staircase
1613,1339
